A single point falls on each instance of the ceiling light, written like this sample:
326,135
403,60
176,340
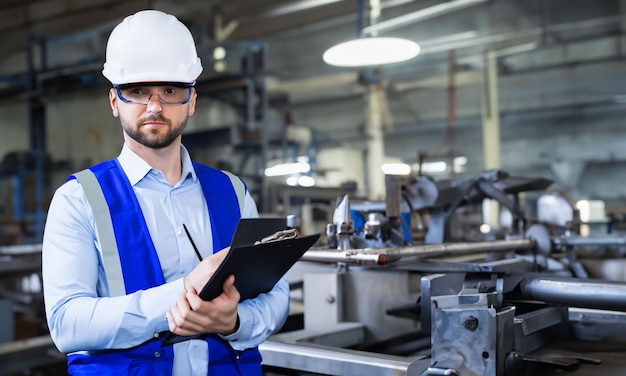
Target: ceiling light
435,167
292,181
396,169
219,53
301,180
306,181
297,7
371,51
288,169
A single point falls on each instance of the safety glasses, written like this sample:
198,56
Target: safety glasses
167,92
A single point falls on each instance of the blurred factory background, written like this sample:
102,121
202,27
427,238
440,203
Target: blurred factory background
501,88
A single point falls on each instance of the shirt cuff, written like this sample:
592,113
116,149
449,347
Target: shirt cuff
157,301
246,321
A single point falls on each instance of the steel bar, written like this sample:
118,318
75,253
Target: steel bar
385,256
336,361
576,292
20,249
606,240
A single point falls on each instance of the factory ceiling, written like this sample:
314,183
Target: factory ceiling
241,19
469,26
235,20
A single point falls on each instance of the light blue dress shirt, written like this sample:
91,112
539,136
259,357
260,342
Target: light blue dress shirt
82,317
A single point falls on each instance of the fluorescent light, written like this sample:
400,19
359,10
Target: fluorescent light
297,7
219,53
420,15
371,51
302,180
396,169
306,181
460,160
288,169
434,167
459,164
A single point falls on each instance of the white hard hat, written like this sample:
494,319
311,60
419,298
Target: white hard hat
151,46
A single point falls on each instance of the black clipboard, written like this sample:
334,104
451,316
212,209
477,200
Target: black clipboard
257,268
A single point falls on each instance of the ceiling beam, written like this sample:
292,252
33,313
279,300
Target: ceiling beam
74,19
263,27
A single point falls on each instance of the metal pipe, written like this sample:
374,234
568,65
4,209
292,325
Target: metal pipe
336,361
385,256
605,240
576,292
20,249
522,34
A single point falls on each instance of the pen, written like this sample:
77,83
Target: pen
192,243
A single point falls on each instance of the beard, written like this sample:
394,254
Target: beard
154,138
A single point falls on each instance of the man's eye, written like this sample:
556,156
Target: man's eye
137,91
169,91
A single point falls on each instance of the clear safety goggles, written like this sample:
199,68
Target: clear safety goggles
168,93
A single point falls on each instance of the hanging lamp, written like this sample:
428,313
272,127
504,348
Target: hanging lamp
371,50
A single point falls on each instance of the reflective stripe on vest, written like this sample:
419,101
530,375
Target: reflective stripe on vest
240,190
104,228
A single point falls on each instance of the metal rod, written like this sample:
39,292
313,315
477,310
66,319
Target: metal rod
336,361
20,249
605,240
385,256
576,292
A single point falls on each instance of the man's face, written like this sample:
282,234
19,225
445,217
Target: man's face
154,125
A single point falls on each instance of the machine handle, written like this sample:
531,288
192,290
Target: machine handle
440,372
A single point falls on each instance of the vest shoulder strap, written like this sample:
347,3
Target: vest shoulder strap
104,228
240,190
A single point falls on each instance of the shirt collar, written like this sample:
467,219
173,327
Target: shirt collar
136,168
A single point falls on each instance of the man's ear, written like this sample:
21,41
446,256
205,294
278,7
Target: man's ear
113,102
192,102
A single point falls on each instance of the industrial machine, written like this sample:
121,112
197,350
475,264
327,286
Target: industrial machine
518,301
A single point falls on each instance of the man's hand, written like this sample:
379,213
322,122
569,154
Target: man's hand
200,275
191,315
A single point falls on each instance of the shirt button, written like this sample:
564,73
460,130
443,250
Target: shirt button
156,335
179,232
157,354
237,356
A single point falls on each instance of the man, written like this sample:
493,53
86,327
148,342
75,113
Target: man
118,266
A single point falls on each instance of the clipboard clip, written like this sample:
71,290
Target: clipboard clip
290,233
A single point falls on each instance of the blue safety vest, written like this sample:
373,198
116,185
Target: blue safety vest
118,214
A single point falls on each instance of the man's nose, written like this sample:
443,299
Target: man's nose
154,103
